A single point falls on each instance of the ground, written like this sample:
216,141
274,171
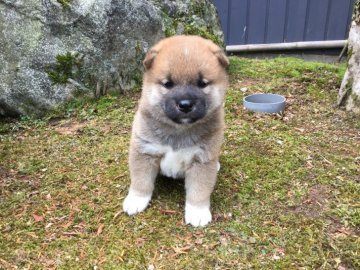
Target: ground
287,195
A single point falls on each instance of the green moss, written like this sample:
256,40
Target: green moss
65,3
203,32
188,19
32,108
348,91
67,66
349,54
137,74
355,98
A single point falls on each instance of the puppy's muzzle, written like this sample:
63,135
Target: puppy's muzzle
185,104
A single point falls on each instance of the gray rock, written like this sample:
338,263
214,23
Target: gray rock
51,52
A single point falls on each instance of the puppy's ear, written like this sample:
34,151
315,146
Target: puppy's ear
220,54
149,59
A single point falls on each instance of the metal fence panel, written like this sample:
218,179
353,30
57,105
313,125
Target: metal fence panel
277,21
236,27
256,25
339,19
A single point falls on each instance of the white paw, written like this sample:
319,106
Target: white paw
134,204
197,216
218,166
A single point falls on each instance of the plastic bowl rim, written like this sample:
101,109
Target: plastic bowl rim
265,103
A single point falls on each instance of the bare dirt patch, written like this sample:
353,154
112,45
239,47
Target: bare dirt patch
315,202
70,128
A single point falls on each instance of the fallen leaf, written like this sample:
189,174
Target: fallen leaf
179,251
168,212
38,218
307,201
211,246
120,176
74,233
300,129
48,225
140,242
100,229
117,214
337,260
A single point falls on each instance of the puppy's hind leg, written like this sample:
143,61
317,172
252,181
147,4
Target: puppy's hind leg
199,183
143,171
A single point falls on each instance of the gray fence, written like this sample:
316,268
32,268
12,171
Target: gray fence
279,21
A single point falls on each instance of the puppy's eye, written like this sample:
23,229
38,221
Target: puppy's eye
168,84
202,83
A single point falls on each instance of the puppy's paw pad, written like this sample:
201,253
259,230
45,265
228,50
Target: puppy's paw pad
134,204
197,216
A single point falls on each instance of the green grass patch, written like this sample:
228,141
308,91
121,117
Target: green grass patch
287,195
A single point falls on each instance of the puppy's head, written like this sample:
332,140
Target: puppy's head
185,79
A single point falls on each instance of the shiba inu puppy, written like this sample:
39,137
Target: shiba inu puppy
178,127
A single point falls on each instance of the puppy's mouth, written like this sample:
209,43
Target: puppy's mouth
184,106
186,120
185,111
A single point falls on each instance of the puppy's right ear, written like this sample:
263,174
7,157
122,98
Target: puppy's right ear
149,58
224,61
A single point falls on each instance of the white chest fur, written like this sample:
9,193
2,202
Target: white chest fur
174,163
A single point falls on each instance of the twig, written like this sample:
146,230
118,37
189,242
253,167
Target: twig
343,51
77,84
98,89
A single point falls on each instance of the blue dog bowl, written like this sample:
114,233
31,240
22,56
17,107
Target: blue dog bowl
268,103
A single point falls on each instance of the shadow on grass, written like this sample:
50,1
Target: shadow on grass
169,190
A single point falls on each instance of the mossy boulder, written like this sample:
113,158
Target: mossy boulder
192,17
52,49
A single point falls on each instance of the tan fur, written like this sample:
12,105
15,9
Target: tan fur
182,57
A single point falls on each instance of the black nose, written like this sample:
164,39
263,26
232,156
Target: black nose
185,105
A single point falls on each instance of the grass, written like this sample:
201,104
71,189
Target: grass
287,195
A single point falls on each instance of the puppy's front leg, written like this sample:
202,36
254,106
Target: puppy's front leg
143,171
200,180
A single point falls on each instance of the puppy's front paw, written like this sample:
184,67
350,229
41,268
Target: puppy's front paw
134,204
197,216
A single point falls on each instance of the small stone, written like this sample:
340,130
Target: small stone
223,241
276,257
252,240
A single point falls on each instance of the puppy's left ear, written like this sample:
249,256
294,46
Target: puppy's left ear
224,61
149,59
